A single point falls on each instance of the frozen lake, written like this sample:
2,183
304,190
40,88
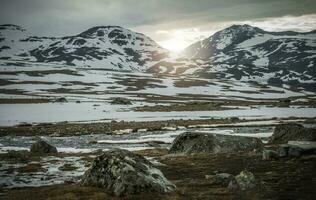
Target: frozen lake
12,114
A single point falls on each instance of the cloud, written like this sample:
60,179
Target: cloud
178,39
68,17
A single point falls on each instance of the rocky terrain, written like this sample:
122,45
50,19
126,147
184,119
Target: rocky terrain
159,173
109,114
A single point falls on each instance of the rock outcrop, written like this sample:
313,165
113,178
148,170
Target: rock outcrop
194,142
284,133
42,147
297,149
243,181
291,149
121,101
124,173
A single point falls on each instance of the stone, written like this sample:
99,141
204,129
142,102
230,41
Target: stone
194,142
297,149
283,150
269,154
42,147
209,177
233,185
61,100
121,101
223,179
243,181
124,173
289,132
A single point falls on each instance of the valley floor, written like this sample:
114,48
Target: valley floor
76,110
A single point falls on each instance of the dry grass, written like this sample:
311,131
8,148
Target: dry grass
277,179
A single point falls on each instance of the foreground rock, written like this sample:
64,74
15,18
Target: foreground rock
268,154
192,142
124,173
291,149
290,132
223,179
297,149
42,147
243,181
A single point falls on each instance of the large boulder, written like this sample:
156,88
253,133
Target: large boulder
124,173
194,142
292,132
42,147
297,149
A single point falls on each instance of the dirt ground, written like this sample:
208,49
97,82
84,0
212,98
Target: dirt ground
276,179
71,129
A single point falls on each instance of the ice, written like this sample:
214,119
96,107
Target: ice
12,114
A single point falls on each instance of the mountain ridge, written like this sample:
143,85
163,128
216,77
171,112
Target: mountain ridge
250,54
240,52
111,47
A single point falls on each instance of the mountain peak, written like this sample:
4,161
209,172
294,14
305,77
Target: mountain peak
242,26
237,29
110,47
100,31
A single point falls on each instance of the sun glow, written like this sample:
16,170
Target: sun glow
177,40
174,44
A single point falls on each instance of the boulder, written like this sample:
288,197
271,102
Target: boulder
269,154
288,132
243,181
61,100
42,147
297,149
121,101
223,179
194,142
124,173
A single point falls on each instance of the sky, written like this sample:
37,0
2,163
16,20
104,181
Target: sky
174,24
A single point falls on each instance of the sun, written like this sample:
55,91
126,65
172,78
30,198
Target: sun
177,40
174,44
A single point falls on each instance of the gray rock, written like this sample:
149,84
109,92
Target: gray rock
121,101
124,173
288,132
297,149
61,100
42,147
243,181
233,185
283,150
223,179
269,154
192,142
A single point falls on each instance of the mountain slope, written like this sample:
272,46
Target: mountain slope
248,53
109,47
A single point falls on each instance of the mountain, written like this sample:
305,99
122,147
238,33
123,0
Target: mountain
247,53
108,47
240,52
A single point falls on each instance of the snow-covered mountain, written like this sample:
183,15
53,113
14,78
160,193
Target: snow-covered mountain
247,53
108,47
240,52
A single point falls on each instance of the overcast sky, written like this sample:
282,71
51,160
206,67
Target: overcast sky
172,23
